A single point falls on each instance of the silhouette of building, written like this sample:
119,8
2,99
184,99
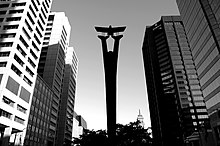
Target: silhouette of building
52,64
176,103
39,119
66,112
201,19
22,25
140,118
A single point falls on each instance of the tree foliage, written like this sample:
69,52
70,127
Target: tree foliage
131,134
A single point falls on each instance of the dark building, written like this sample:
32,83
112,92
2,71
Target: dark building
176,103
201,19
66,112
39,118
52,62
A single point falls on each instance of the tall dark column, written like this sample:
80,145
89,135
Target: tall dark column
110,66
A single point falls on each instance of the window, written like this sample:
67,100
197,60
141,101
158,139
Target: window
21,50
8,35
3,54
31,62
41,27
18,4
15,11
16,70
33,12
33,54
23,42
21,109
4,5
45,43
19,120
29,71
8,101
26,33
18,60
13,19
46,38
25,95
42,19
30,18
27,81
3,64
3,12
5,114
28,25
47,29
6,27
48,33
6,44
12,85
43,13
34,4
38,41
39,33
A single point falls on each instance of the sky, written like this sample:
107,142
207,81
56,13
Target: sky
83,15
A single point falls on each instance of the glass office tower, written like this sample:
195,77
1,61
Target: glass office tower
177,108
201,19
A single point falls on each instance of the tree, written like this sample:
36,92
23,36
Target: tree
131,134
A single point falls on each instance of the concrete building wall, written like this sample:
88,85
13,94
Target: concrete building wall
21,34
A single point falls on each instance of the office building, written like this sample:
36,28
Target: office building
79,125
22,25
177,108
66,112
39,119
201,19
52,62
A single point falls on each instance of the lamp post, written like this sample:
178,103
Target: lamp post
110,66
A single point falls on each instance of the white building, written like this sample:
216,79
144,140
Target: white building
79,125
22,26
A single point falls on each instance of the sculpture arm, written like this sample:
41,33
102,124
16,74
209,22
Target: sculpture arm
104,43
116,44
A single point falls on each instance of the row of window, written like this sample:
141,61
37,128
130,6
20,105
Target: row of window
11,103
8,115
13,5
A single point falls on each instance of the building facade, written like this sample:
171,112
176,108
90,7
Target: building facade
52,63
66,112
201,19
39,119
177,108
79,125
22,25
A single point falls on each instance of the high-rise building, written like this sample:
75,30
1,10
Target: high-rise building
52,62
177,108
66,112
22,25
201,19
39,118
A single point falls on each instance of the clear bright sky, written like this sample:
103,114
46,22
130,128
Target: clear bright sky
131,93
